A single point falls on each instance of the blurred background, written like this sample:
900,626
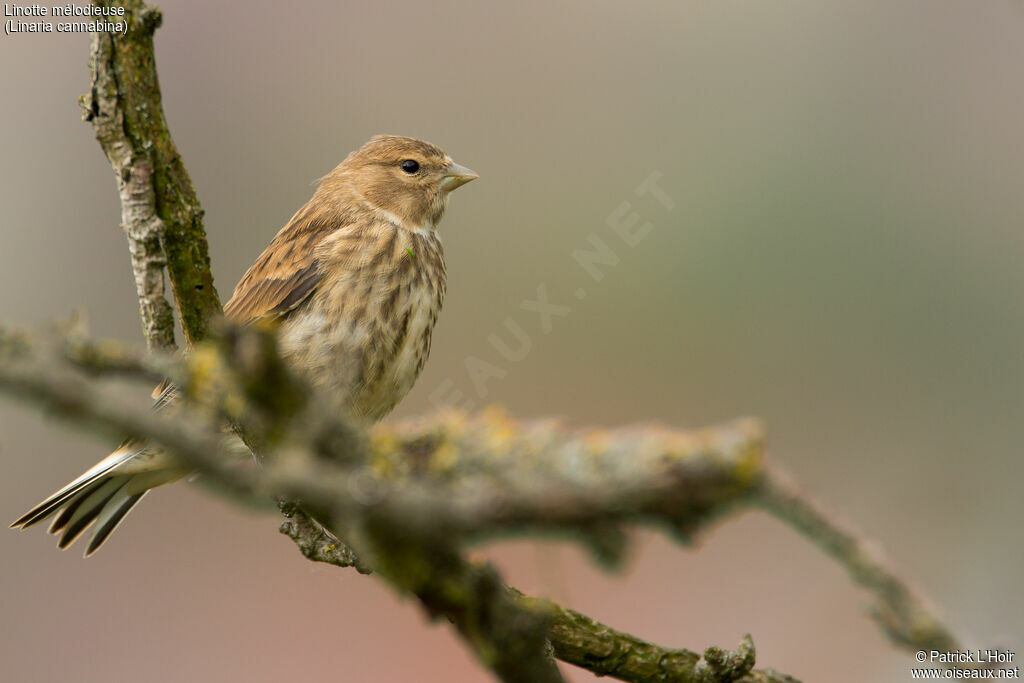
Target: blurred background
843,258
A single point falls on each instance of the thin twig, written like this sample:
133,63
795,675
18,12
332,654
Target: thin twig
904,616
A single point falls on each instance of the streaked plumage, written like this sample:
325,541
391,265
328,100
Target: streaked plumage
355,281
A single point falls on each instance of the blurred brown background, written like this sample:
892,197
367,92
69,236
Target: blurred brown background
843,259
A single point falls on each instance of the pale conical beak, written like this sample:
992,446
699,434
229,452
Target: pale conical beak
456,176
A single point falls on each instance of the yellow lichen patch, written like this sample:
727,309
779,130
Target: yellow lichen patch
384,441
383,464
500,432
749,463
450,426
205,375
743,440
234,404
597,441
204,364
445,457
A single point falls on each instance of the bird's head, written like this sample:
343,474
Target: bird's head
406,177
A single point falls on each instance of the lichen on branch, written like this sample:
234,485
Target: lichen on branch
405,502
160,212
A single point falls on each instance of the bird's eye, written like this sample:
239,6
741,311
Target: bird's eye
410,166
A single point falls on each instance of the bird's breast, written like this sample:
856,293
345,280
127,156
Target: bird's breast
365,336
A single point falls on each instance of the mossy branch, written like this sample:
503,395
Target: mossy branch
406,501
160,212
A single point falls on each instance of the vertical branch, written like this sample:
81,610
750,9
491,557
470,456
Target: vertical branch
160,212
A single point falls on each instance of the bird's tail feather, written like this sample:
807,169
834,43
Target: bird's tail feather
101,497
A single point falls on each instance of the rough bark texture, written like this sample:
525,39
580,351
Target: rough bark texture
405,502
160,212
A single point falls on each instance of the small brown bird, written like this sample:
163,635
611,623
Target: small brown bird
355,280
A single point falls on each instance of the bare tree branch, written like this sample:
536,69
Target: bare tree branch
411,523
490,476
453,479
590,644
315,542
575,638
905,617
160,212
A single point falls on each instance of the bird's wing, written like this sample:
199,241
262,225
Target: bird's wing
287,272
273,290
